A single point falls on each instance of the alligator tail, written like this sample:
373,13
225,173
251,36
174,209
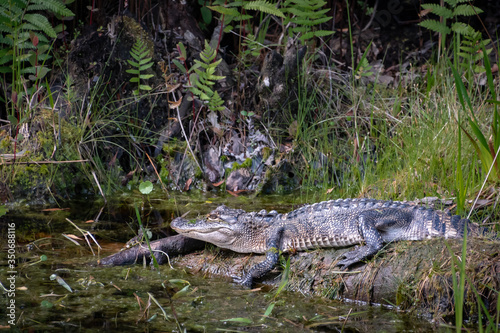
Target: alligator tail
458,223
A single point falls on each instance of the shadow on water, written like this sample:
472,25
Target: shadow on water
128,298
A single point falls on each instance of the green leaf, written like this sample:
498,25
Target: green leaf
133,71
466,10
438,10
145,87
318,33
269,309
55,6
46,304
479,135
146,187
239,320
182,50
41,23
206,14
12,119
265,7
435,26
462,28
184,291
133,63
224,10
144,61
179,66
3,210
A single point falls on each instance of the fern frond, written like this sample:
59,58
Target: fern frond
304,6
15,6
216,103
310,23
145,64
204,79
35,8
55,6
462,28
466,10
435,26
264,6
317,33
438,10
41,23
306,15
139,53
4,27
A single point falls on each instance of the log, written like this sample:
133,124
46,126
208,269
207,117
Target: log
172,246
412,276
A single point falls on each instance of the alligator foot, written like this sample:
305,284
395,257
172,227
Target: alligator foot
355,256
245,280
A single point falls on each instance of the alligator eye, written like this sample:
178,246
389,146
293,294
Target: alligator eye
212,217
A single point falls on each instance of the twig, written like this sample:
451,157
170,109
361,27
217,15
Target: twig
98,185
156,171
186,138
44,162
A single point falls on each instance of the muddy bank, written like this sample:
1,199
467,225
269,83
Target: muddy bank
414,276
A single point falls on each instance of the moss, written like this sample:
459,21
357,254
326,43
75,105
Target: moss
246,164
135,31
266,152
44,181
198,173
173,147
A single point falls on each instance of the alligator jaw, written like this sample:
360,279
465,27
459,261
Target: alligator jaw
219,235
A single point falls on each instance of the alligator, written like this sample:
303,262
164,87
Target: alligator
335,223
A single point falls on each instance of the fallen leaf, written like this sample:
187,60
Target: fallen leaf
218,183
188,183
73,236
53,209
173,104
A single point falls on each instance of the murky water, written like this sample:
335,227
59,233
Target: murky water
136,298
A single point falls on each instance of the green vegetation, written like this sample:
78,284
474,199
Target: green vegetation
451,11
25,46
204,78
306,16
142,62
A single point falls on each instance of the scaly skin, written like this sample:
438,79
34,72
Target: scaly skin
336,223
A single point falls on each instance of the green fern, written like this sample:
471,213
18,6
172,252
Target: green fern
142,63
471,54
204,79
436,26
452,11
233,11
305,16
20,20
264,7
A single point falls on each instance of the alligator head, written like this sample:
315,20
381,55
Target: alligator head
228,228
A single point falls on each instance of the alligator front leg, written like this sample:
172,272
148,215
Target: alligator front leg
366,223
264,267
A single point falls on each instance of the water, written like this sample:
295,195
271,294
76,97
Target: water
136,298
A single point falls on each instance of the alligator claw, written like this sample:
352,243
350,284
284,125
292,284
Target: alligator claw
344,264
